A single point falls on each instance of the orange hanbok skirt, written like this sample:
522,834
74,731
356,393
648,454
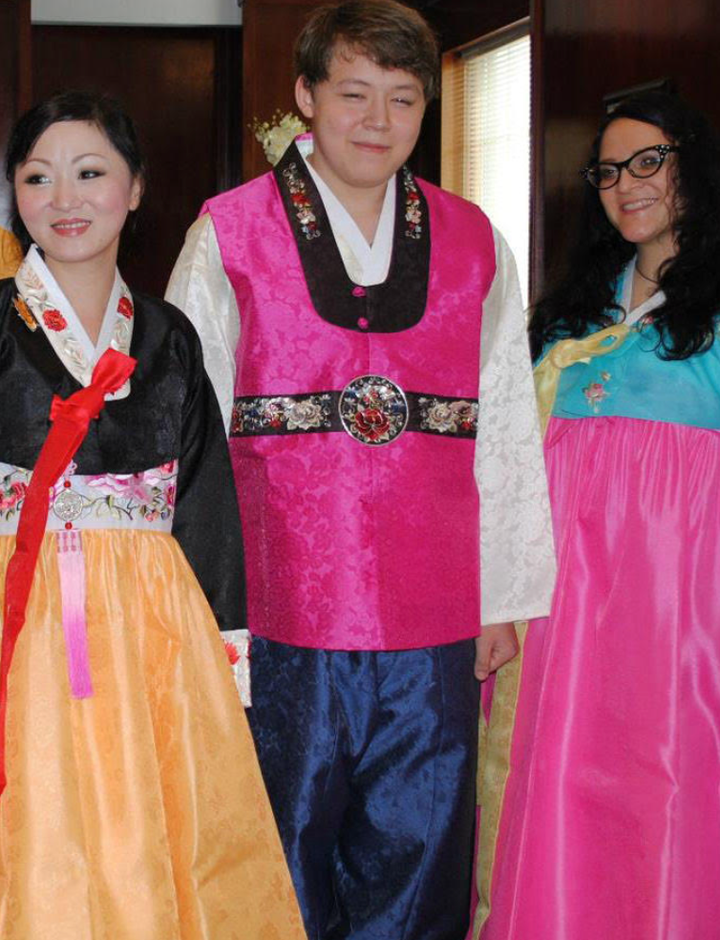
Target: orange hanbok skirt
138,813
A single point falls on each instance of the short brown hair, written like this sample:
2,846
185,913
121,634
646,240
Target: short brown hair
391,34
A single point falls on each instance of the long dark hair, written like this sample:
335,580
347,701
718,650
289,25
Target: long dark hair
102,111
583,297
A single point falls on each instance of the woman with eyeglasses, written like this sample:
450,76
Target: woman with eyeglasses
607,788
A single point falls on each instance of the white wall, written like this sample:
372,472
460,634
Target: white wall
138,12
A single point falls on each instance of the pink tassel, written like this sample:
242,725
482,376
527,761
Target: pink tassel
71,563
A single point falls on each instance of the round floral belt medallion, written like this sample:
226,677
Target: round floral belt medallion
68,506
373,410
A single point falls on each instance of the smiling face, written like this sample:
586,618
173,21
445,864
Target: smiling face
641,210
73,193
365,121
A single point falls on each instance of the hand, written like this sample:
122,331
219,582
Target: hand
496,646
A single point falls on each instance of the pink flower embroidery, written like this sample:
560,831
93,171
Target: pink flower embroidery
151,492
595,394
158,475
10,498
127,485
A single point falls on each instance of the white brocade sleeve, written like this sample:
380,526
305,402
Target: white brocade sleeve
237,646
200,288
517,559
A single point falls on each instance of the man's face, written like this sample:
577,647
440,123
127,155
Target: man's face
365,121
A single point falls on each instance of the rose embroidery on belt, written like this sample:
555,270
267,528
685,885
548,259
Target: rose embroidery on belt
304,415
237,420
448,417
372,425
373,409
281,413
440,417
274,415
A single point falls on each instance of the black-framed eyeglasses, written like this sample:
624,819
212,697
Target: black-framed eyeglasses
643,163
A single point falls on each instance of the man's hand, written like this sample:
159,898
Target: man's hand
496,646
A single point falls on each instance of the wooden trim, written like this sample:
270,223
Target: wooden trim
228,108
537,149
452,137
24,87
498,37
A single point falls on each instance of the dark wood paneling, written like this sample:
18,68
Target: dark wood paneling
270,28
15,77
458,22
182,88
596,47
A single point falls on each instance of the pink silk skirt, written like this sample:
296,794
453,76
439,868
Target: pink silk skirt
610,821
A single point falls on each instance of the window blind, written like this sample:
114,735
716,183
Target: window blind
485,153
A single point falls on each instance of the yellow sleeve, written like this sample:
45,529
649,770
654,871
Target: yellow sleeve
10,254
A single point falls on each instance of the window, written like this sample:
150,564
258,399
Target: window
486,134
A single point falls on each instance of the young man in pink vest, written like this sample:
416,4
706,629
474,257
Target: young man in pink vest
365,335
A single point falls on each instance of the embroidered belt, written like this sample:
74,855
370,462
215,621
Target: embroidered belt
144,500
76,502
371,409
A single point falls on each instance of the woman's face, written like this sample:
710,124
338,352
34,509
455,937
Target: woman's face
640,209
73,193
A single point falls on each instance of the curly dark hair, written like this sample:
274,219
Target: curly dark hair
690,280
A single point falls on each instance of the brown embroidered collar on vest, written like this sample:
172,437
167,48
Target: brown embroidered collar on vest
396,304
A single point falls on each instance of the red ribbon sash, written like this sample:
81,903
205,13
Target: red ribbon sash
70,421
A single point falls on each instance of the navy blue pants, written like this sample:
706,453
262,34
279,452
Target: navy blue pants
370,760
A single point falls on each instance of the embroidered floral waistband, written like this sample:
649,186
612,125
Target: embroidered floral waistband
143,500
372,409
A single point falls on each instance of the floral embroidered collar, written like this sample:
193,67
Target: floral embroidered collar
396,304
41,303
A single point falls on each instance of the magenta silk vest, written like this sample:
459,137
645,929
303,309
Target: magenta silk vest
353,431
